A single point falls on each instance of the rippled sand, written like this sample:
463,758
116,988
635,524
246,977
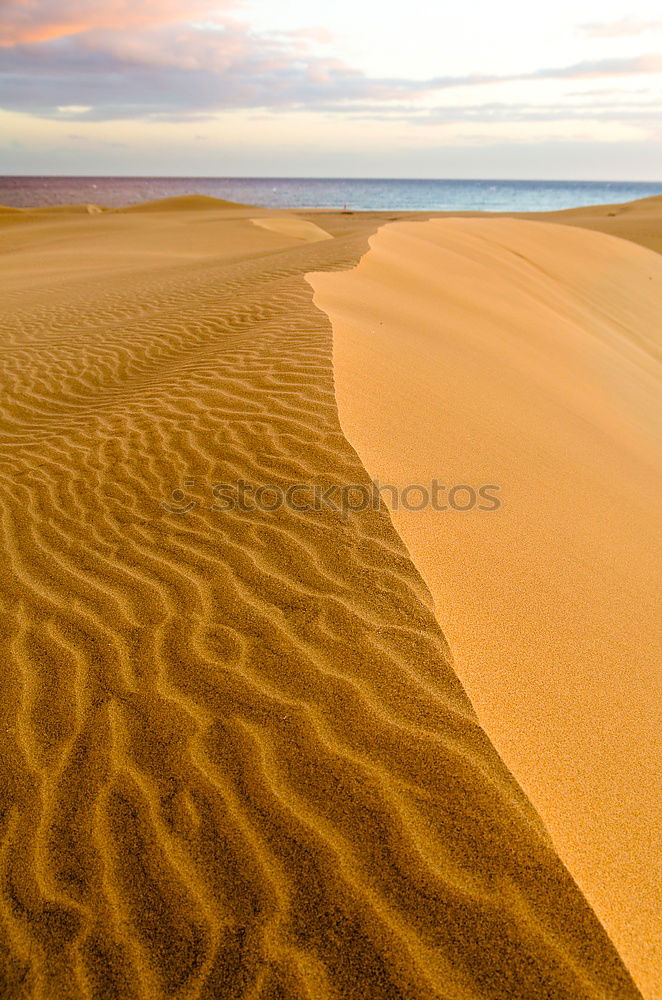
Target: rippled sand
236,759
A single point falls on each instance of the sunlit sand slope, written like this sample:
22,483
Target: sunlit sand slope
639,221
526,356
235,759
290,225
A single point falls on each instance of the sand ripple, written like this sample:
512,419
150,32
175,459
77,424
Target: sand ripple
235,759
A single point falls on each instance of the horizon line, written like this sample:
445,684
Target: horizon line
315,177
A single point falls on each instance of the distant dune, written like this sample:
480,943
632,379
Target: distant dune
13,215
527,355
236,758
58,210
639,221
68,245
185,203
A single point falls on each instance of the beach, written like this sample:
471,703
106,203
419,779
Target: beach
261,740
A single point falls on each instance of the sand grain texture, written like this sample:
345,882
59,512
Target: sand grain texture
235,759
527,355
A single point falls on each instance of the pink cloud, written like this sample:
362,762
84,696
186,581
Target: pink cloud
27,21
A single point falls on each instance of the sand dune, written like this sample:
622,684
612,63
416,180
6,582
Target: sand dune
301,229
183,203
236,761
54,210
639,221
527,355
63,247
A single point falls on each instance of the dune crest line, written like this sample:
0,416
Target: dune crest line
527,355
235,758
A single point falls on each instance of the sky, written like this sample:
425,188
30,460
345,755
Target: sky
352,88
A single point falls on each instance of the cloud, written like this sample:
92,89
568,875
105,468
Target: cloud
624,28
147,59
594,69
491,112
179,71
25,21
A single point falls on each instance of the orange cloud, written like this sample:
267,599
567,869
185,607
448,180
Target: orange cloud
26,21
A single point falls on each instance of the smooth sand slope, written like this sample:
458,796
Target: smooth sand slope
300,229
235,760
527,355
639,221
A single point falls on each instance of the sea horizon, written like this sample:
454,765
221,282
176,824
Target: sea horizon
353,193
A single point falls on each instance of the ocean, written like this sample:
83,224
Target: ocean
306,192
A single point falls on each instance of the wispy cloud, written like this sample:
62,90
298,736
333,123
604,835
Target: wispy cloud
623,28
596,68
493,112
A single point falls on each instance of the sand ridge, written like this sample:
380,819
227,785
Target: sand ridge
182,203
527,354
290,225
236,760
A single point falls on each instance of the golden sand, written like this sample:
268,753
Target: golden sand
236,758
527,355
301,229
